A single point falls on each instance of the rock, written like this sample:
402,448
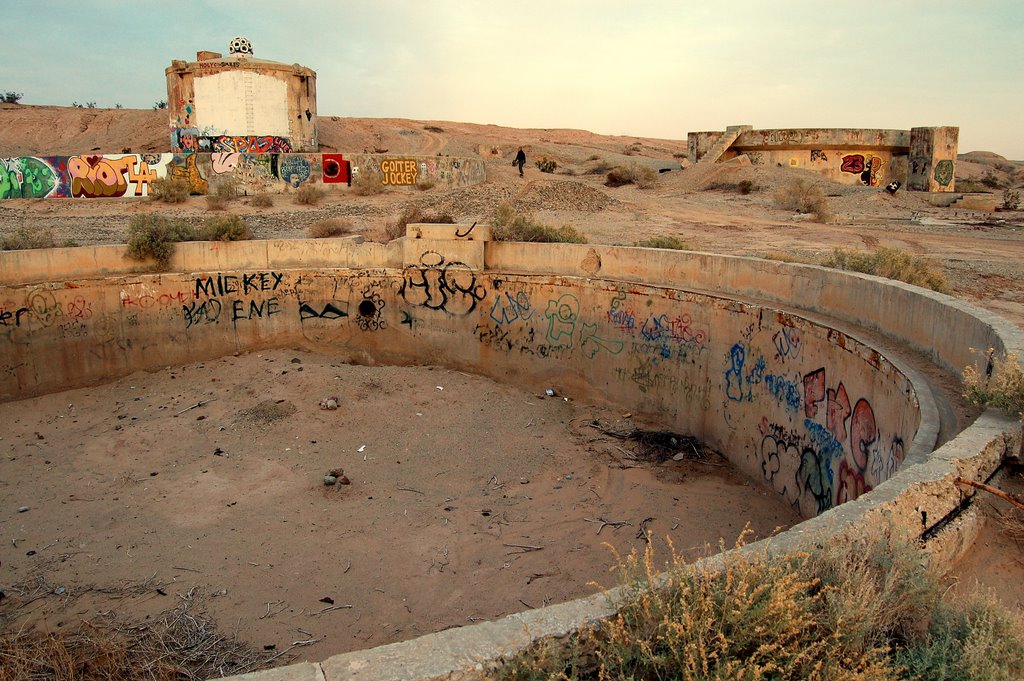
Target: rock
343,480
22,509
330,480
330,403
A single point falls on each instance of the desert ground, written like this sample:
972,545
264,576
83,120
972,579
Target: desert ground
137,500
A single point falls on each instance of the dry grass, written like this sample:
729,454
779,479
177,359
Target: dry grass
225,228
329,227
367,184
509,225
26,239
805,197
671,242
999,385
309,194
178,644
262,201
154,237
394,229
642,176
864,611
170,190
222,193
891,263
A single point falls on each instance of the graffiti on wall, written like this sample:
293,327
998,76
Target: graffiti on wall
446,286
398,172
868,169
246,144
112,175
26,178
335,169
944,172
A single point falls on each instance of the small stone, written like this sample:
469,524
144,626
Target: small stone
296,360
329,403
549,392
678,457
343,480
330,480
22,509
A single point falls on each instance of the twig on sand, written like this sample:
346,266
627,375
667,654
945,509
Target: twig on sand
525,548
604,523
195,406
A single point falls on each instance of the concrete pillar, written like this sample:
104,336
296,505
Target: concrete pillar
933,159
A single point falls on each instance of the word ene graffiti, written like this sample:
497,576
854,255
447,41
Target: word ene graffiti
444,286
398,172
209,311
224,284
867,169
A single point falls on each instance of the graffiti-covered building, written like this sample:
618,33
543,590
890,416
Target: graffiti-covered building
241,104
923,159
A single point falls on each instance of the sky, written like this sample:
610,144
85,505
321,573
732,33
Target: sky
646,68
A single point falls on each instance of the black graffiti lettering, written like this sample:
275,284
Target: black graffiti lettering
206,311
463,235
259,309
450,287
224,284
329,311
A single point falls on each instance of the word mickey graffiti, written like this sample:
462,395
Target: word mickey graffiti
207,306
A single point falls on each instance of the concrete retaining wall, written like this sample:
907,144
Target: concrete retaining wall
696,342
248,162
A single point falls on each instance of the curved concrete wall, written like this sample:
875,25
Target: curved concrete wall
737,351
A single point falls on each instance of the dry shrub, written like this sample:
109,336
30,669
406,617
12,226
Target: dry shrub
221,193
670,242
741,187
367,184
177,644
860,611
425,183
509,225
792,257
547,165
309,194
170,190
804,197
155,236
412,215
25,239
641,176
891,263
1001,385
262,201
329,227
226,228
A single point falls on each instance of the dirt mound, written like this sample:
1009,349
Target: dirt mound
564,195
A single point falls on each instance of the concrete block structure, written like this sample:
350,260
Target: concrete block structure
922,159
241,104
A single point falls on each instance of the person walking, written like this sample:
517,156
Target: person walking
520,160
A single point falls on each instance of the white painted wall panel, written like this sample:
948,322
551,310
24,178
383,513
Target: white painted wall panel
242,103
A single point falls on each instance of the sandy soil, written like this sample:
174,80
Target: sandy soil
127,495
126,486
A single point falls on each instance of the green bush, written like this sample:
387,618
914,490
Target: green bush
11,97
226,228
155,236
309,194
547,165
509,225
891,263
329,227
671,242
170,190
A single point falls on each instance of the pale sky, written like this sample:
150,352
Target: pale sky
626,67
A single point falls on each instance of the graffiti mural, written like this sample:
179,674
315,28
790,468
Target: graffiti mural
26,178
335,169
944,172
868,169
185,166
248,144
293,170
